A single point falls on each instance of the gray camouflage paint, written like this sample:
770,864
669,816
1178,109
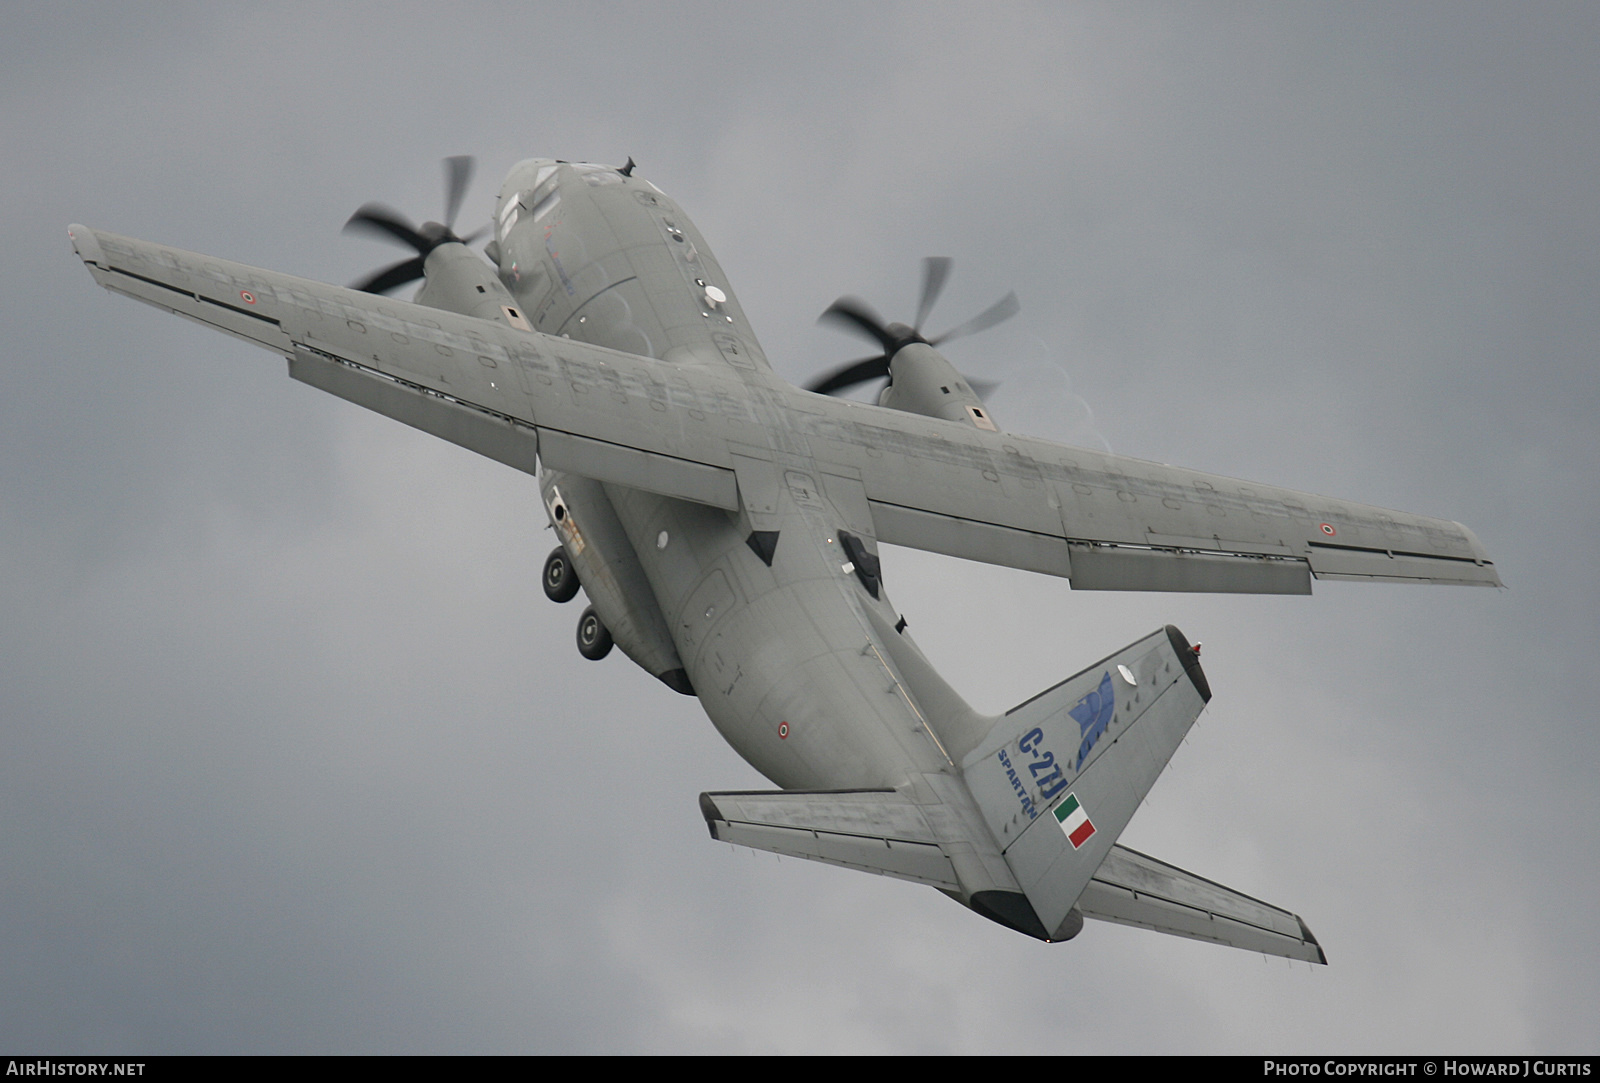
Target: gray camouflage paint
789,650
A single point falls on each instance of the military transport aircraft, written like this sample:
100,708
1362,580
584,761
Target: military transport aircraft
725,527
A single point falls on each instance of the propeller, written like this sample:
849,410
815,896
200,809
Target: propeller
856,315
390,224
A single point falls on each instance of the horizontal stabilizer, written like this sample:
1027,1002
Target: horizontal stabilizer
877,831
1131,888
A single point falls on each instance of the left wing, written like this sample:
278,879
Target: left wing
1107,522
514,396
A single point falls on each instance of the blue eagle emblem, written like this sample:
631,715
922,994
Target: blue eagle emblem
1093,714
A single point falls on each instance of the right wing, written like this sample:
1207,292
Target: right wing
1110,522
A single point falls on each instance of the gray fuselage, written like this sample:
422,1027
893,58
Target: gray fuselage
788,659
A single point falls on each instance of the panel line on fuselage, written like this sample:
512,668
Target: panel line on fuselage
562,330
900,687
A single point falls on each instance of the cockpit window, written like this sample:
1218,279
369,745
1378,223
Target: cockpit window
547,204
510,212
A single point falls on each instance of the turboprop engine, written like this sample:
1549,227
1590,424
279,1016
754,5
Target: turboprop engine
454,277
920,379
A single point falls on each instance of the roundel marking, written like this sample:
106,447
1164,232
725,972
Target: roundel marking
1327,528
783,731
247,297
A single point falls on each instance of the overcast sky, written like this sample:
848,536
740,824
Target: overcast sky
296,757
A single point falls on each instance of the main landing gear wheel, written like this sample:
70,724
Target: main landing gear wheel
560,578
594,641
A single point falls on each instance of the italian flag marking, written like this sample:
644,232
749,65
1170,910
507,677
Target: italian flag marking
1074,821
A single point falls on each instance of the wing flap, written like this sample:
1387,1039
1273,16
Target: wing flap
1131,888
878,831
496,436
970,539
668,475
1386,566
1125,567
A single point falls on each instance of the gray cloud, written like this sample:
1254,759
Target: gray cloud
298,758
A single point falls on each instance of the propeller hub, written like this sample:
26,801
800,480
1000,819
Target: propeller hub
902,335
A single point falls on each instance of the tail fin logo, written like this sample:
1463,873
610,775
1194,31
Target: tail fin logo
1093,714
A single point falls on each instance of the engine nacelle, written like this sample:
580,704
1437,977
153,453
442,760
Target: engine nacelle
458,280
923,382
611,574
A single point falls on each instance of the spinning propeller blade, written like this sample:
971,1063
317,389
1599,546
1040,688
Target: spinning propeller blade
857,316
388,223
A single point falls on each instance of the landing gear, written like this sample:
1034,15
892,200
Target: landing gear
560,578
594,641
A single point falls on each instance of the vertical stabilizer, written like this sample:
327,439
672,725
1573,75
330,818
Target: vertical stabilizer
1059,776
